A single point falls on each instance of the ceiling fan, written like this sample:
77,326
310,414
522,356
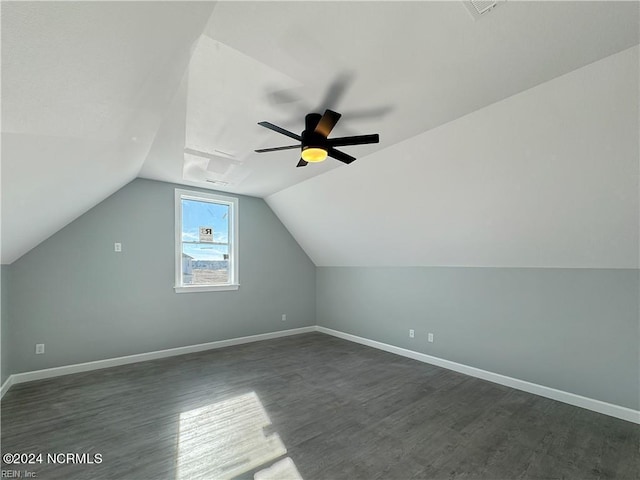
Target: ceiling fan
314,144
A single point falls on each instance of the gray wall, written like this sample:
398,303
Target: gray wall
4,322
571,329
85,302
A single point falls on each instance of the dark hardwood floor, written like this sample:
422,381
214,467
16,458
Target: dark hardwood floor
309,406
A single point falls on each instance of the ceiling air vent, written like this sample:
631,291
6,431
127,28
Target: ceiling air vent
220,168
479,8
217,182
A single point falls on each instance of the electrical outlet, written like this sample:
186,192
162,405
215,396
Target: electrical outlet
39,348
430,337
284,317
117,247
412,333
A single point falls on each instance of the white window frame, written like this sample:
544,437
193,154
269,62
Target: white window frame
232,202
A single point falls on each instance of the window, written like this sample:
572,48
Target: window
206,242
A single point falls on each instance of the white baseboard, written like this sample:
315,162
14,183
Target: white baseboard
548,392
6,385
142,357
571,398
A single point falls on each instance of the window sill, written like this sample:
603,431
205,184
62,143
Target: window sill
207,288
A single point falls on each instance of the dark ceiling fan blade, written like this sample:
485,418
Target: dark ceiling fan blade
338,155
327,122
284,96
336,91
275,149
278,129
368,113
355,140
302,163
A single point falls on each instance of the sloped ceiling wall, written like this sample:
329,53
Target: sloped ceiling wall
260,61
546,178
85,86
97,93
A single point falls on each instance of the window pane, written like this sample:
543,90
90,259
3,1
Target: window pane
205,264
205,251
204,215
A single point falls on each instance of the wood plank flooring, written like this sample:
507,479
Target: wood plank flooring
316,407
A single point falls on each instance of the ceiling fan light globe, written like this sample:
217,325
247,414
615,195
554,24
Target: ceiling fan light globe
314,154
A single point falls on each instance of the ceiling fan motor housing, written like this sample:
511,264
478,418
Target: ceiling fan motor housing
311,139
315,145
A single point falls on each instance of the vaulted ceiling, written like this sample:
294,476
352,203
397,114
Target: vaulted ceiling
95,94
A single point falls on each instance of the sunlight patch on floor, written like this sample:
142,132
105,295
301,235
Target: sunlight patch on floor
284,469
226,439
